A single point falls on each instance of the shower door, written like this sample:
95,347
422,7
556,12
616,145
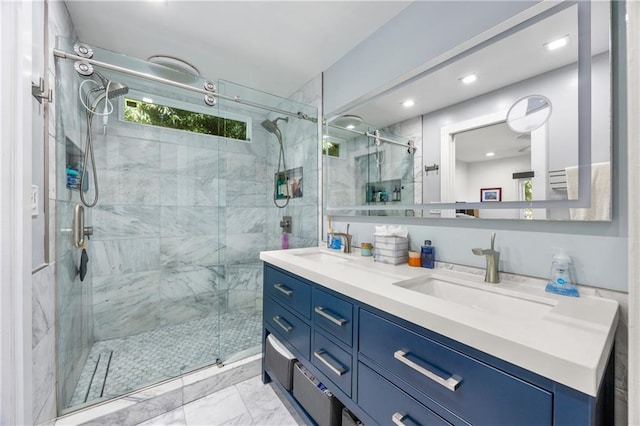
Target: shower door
174,280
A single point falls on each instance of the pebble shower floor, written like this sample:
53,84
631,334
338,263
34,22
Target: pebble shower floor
118,366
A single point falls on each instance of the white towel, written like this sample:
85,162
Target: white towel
600,192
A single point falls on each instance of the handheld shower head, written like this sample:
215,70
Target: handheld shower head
112,90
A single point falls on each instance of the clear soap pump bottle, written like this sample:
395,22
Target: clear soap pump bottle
560,277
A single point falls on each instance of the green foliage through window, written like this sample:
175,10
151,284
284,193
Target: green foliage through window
331,149
141,112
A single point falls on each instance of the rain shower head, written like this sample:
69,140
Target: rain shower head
272,125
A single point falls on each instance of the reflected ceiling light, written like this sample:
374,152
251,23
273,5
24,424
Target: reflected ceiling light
557,43
348,121
325,136
408,103
490,154
147,100
469,79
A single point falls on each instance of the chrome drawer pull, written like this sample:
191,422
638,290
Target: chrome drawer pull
283,289
339,371
451,383
286,328
397,419
337,321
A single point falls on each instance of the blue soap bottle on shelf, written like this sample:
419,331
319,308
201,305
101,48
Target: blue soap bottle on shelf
427,255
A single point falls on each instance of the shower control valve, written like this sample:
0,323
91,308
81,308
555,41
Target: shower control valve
285,224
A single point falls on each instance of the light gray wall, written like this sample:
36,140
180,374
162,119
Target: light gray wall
561,89
412,38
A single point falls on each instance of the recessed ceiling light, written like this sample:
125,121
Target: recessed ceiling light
469,79
490,154
408,103
351,127
557,43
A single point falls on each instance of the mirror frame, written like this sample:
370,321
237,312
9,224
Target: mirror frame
584,116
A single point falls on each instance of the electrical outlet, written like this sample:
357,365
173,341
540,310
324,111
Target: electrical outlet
35,208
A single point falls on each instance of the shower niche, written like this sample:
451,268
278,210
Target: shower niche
73,168
383,192
288,184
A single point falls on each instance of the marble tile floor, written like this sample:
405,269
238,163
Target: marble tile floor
118,366
247,403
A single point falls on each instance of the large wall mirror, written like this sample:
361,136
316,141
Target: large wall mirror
517,127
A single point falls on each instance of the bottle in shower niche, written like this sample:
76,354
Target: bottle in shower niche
282,190
427,255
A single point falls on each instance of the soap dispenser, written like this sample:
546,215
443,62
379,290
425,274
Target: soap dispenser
560,277
427,255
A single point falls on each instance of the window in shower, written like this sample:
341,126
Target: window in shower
169,113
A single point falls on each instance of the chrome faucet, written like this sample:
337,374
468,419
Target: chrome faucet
493,258
346,239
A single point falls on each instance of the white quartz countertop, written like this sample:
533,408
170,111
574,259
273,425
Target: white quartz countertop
569,343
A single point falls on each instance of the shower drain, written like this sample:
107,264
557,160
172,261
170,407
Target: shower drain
95,389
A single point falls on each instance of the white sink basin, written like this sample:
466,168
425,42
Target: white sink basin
323,257
473,295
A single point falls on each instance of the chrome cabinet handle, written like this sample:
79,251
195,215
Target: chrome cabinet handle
338,371
452,383
278,320
397,419
282,289
337,321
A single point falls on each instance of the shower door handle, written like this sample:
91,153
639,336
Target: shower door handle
78,229
78,226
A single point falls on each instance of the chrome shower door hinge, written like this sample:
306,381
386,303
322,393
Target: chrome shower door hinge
39,91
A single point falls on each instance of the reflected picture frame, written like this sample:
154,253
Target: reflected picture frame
490,195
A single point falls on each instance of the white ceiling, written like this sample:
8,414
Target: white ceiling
274,46
513,59
472,146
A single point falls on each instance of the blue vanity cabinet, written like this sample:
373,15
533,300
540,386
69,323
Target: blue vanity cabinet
333,315
288,290
443,377
387,403
390,371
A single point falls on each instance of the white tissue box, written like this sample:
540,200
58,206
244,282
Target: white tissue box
390,249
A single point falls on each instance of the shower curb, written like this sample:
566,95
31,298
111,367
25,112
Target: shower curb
158,399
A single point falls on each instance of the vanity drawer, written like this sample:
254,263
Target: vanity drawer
288,290
333,315
474,391
334,362
387,404
287,326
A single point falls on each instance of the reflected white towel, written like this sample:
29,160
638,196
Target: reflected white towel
600,192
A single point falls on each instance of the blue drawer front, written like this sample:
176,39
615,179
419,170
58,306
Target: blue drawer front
332,361
287,326
382,401
288,290
333,315
485,395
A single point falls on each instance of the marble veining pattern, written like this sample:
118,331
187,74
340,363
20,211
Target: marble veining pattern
167,352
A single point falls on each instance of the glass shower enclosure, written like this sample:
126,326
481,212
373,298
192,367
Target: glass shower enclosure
185,205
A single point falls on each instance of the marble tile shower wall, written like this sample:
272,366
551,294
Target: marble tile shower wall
157,255
358,164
